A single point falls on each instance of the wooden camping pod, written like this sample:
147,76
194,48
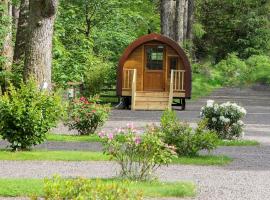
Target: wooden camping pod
152,71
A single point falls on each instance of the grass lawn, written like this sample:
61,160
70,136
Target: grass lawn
99,156
238,143
31,187
73,138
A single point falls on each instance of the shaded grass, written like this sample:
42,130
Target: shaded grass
99,156
31,187
238,143
73,138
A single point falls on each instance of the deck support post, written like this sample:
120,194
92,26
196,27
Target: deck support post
171,90
133,96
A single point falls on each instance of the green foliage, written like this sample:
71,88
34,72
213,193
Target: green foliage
58,188
138,156
86,115
225,119
258,69
181,135
96,77
240,26
233,71
113,25
27,114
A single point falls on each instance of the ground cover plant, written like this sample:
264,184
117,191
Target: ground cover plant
187,142
35,187
27,113
225,119
87,114
139,156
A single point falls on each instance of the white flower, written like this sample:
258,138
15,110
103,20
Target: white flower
214,119
215,107
240,122
210,103
224,119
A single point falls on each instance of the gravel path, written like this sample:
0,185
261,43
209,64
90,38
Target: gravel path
246,178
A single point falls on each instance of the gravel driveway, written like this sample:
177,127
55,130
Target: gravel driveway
246,178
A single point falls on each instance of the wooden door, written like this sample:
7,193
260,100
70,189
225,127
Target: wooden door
154,68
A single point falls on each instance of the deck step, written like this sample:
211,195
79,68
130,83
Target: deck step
151,100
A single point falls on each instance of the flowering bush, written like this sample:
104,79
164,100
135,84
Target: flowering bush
86,115
188,142
79,188
224,118
138,156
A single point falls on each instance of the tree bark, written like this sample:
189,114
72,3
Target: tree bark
167,14
15,16
179,21
22,31
38,55
7,48
190,20
185,18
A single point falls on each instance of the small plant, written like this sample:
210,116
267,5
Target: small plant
86,115
225,119
188,142
138,156
77,189
27,114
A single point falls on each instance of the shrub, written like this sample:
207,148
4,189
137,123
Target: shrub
86,115
27,114
188,142
225,119
77,189
138,156
259,69
232,70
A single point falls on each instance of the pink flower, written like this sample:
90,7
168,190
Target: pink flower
137,140
110,136
130,126
118,130
83,99
101,134
94,111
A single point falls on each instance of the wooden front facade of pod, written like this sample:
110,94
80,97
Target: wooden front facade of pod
152,71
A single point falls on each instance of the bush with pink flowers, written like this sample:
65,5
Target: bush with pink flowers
87,114
138,155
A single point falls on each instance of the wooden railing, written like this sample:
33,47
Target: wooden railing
127,78
176,84
178,77
129,83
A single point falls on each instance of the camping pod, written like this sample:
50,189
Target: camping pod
152,72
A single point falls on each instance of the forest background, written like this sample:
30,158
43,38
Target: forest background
228,42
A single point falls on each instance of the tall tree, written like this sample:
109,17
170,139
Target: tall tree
190,19
179,22
6,49
167,16
22,28
38,55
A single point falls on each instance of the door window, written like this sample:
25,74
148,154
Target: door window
154,57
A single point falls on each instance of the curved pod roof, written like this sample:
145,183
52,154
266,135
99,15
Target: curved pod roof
157,38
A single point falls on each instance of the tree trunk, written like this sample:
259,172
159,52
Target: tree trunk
185,18
179,21
190,20
22,30
7,48
167,15
38,55
15,16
